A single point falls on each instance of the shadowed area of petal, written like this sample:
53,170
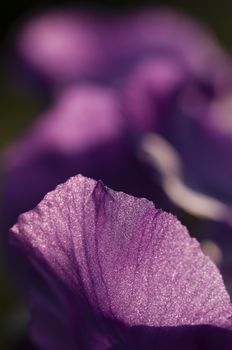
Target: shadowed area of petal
109,256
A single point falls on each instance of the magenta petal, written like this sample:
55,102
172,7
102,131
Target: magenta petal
70,45
82,132
73,136
150,91
109,256
164,31
62,45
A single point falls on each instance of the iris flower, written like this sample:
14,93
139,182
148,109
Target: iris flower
115,272
133,96
166,76
66,46
170,78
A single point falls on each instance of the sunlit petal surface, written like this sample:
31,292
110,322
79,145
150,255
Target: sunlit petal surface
110,263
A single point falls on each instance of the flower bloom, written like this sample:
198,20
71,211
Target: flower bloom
108,270
165,100
114,272
166,74
106,48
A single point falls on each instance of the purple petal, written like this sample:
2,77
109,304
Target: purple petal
107,47
62,45
84,132
163,32
113,259
150,90
72,136
210,155
164,97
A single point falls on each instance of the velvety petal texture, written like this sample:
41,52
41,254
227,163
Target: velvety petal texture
113,263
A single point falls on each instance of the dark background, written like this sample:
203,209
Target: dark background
18,107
